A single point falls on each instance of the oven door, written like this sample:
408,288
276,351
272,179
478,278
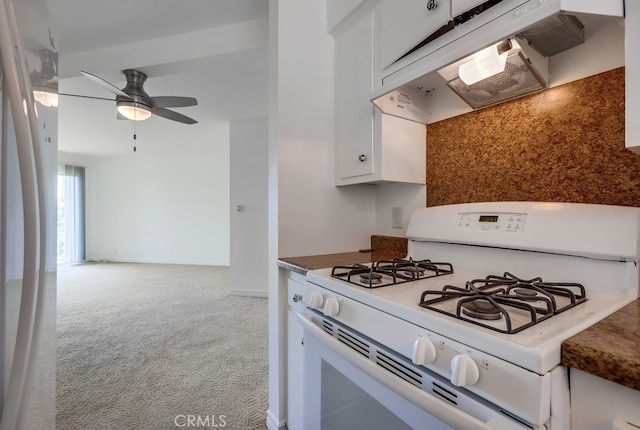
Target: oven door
344,389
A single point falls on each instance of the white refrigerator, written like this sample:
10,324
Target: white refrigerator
28,130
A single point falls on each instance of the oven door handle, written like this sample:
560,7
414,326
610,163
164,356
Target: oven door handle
430,404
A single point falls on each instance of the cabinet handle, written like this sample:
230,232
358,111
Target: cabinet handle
297,298
432,4
362,157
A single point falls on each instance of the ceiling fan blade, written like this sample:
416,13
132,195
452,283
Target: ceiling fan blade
85,97
174,116
106,85
170,101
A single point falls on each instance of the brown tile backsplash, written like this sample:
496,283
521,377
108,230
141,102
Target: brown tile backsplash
563,144
388,247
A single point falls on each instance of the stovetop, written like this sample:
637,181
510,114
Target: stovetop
505,303
536,347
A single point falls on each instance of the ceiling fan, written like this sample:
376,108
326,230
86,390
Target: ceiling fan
135,104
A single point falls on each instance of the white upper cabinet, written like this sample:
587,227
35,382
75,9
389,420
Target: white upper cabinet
402,148
460,6
354,111
370,147
632,72
405,24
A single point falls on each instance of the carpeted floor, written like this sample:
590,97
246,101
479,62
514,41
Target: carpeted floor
147,346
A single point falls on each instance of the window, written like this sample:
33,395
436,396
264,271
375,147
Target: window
71,214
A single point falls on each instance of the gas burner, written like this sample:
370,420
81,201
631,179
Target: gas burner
414,269
481,309
517,302
535,289
391,272
363,275
525,292
370,278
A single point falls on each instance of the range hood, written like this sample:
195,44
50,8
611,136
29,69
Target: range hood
525,71
526,34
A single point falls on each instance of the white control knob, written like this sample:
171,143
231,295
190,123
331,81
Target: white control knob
464,371
424,352
316,300
331,307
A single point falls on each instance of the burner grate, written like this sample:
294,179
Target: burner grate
414,269
507,304
390,272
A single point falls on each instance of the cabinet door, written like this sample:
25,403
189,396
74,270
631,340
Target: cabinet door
403,149
405,24
294,372
354,111
597,403
632,72
459,6
295,291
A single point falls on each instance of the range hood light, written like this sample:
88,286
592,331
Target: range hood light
485,63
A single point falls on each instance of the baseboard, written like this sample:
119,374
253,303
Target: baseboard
273,423
248,293
150,261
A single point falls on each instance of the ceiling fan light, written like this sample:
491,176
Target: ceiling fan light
134,111
46,98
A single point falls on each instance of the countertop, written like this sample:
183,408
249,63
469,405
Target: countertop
312,262
382,248
609,349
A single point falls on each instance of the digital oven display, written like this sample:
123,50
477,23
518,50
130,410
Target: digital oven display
488,218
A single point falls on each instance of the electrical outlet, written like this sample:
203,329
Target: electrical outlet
396,217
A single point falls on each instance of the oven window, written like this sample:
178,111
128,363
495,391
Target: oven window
347,406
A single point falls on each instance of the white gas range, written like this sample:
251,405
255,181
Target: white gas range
467,332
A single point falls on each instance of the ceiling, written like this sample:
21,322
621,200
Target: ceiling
214,50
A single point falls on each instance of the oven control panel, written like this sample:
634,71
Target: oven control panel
493,222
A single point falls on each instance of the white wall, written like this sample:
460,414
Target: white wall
315,217
338,10
160,208
249,149
307,213
408,197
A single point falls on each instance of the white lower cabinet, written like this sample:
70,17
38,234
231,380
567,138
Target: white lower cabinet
295,288
598,404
